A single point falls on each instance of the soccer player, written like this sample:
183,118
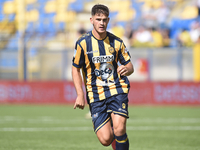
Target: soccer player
98,53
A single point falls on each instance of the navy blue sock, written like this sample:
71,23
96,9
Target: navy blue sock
122,142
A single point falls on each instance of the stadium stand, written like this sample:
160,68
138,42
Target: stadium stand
54,25
46,19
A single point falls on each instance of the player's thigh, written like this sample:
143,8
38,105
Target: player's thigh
101,122
119,124
105,134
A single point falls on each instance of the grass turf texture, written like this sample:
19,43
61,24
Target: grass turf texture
31,127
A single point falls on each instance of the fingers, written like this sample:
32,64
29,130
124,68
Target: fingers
122,70
80,106
80,102
75,106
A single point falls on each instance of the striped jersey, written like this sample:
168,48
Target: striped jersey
99,60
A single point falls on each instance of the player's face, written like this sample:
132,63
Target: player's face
100,22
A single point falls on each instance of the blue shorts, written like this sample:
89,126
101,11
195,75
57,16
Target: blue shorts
101,110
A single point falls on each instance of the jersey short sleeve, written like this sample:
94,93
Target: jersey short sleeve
124,55
78,58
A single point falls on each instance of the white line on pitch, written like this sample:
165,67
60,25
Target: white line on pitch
164,128
144,128
164,120
49,119
47,129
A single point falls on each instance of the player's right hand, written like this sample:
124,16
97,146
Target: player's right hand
80,102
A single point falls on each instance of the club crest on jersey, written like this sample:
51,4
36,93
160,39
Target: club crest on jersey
123,105
111,50
101,59
105,71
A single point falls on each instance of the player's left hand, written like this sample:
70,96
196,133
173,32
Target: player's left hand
122,70
80,102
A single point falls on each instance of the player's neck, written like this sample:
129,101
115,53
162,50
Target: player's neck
99,36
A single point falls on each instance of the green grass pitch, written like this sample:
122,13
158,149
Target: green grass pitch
60,127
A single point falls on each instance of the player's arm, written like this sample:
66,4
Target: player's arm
77,79
125,70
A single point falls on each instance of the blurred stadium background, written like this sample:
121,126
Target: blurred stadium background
38,37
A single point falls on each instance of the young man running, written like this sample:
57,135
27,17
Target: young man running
98,53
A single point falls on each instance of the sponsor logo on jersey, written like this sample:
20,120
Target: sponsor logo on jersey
95,116
75,52
105,71
101,59
92,52
126,50
120,109
104,83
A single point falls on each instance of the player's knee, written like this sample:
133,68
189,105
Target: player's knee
106,140
119,130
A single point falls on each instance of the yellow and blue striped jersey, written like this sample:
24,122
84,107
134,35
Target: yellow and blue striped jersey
99,62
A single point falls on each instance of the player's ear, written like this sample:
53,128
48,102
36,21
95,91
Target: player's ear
108,19
91,20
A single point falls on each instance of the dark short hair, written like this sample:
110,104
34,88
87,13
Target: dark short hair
99,8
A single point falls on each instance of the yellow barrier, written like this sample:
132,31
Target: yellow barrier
196,61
